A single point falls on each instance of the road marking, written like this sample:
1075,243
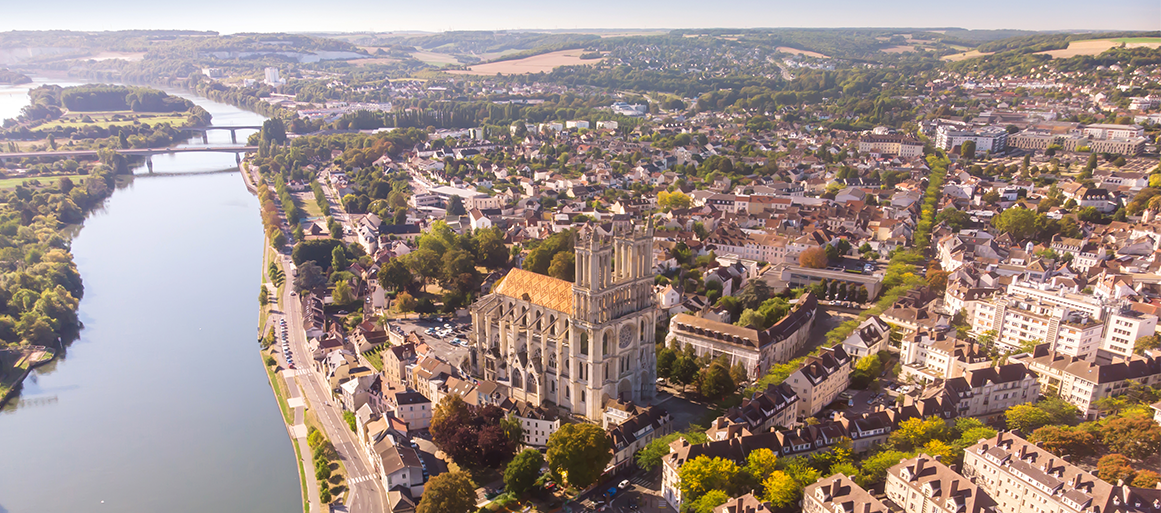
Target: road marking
362,479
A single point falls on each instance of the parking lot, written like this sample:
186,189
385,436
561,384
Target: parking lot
439,343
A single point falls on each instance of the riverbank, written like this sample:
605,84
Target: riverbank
16,365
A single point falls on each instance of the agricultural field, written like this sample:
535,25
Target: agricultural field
1099,46
964,56
435,58
535,64
795,51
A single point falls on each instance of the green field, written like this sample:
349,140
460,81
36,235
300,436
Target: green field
9,183
104,119
1138,40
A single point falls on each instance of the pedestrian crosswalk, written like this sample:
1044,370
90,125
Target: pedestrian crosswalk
642,481
361,479
301,372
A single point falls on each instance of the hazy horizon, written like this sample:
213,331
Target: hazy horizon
360,16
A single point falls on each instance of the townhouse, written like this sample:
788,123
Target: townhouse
839,494
821,379
923,484
987,392
1082,383
1023,478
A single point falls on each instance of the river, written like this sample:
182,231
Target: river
162,405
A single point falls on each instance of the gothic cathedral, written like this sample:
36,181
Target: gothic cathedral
574,344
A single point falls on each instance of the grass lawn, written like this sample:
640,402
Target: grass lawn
375,360
279,386
310,204
10,183
105,119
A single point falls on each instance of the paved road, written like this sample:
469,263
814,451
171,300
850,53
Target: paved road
367,494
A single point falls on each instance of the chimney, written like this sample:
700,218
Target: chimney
866,507
954,488
1023,450
918,466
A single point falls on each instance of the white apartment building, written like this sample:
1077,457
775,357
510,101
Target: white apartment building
1016,320
990,138
1056,296
989,391
1123,330
929,356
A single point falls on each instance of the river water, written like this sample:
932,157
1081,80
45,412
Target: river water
162,405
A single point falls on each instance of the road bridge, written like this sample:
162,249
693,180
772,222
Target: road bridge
204,130
148,153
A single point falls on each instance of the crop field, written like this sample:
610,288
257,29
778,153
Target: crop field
964,56
537,63
1099,46
795,51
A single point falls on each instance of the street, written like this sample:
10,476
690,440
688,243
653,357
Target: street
366,495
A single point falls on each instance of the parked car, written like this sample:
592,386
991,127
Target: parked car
623,484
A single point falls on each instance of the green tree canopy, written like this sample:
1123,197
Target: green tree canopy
578,453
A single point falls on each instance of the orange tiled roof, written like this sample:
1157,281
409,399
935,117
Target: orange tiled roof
546,291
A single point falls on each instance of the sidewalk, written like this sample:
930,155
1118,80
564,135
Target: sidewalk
298,432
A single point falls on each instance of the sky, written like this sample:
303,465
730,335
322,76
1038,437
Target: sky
230,16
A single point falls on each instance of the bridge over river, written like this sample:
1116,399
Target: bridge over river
148,153
204,130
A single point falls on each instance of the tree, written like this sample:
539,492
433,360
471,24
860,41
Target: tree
684,371
1114,467
1061,440
1018,222
522,471
1026,418
754,294
738,373
309,276
455,206
752,319
710,500
702,474
760,463
1146,343
342,293
916,432
563,266
1146,479
991,197
405,302
424,263
814,258
967,150
781,490
716,382
578,453
874,468
394,275
666,358
1134,435
339,259
450,492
